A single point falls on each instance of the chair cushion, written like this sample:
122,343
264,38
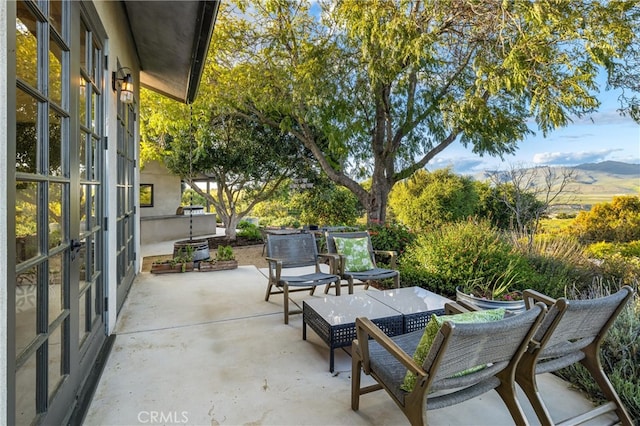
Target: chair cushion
356,253
431,330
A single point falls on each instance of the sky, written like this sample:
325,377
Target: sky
602,136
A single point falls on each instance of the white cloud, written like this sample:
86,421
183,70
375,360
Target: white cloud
572,158
461,165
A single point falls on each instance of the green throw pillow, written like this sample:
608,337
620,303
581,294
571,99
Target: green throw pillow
431,330
356,253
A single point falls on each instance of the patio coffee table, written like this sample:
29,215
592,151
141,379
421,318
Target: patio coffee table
333,318
414,303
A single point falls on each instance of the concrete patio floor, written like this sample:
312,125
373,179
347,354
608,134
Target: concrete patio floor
206,349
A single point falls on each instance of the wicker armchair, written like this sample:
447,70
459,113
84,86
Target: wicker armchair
294,262
571,332
457,347
364,277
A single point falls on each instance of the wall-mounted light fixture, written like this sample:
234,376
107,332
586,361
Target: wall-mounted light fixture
126,86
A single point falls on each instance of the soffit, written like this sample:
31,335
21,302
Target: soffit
172,39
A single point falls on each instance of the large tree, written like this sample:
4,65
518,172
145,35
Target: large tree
624,71
376,89
246,160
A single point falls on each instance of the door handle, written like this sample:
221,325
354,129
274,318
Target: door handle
75,248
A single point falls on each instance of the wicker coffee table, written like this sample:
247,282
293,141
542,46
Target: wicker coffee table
414,303
395,311
333,319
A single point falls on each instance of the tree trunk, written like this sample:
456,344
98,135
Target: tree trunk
377,203
231,226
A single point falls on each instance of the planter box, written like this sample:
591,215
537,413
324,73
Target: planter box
218,265
168,268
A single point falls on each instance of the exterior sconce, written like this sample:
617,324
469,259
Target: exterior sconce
126,86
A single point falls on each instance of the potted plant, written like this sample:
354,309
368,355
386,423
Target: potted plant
495,292
166,266
225,259
182,261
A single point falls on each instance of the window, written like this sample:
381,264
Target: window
146,195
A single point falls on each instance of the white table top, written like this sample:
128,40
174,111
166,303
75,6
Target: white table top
410,300
345,309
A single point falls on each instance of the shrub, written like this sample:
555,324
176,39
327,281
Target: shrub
428,199
415,275
326,203
249,230
391,236
618,221
559,264
615,267
287,221
225,253
464,251
602,249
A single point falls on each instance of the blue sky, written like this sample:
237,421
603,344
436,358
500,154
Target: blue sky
601,136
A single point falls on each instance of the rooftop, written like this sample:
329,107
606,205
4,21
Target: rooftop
205,348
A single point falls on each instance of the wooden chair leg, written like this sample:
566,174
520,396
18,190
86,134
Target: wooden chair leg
269,287
592,364
396,280
286,303
508,394
525,377
356,373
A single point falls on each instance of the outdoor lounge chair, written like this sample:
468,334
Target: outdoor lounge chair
364,276
571,332
294,262
456,347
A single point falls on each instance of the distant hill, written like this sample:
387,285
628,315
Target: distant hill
611,167
598,183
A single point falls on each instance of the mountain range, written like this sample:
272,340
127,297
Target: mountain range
597,182
611,167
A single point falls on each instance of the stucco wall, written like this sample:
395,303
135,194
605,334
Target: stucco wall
168,228
166,190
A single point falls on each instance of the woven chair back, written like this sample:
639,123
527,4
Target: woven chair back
294,250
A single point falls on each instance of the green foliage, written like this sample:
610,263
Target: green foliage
246,160
287,222
491,206
559,264
391,236
389,85
620,354
325,204
617,221
617,268
249,230
460,252
184,255
429,199
602,250
225,253
556,226
192,198
413,274
563,215
498,287
508,206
